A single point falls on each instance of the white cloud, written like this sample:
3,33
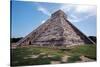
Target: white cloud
78,8
65,7
73,16
43,21
76,19
78,13
85,9
43,10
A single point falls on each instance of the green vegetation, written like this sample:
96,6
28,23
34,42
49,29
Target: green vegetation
85,50
74,58
31,61
56,57
23,55
14,40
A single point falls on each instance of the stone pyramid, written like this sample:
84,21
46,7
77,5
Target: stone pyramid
56,31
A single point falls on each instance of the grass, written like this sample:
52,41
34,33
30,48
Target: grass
85,50
30,61
74,58
56,57
19,54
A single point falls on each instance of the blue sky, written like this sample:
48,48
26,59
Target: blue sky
27,16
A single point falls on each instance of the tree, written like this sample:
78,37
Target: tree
14,40
93,38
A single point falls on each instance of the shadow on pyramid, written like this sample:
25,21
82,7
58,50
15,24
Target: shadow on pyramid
56,31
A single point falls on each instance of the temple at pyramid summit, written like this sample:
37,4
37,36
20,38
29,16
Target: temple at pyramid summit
56,31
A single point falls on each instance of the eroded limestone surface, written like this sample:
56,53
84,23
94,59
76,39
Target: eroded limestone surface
56,31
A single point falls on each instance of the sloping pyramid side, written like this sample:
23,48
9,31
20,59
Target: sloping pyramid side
56,31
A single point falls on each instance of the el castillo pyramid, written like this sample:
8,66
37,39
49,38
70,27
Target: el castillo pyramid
56,31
